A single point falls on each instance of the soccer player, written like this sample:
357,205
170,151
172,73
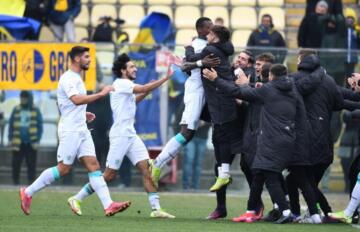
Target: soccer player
123,138
75,138
194,100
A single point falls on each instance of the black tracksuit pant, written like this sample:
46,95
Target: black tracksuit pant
25,151
316,172
272,182
298,179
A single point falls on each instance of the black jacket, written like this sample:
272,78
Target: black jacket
276,139
222,107
309,34
321,97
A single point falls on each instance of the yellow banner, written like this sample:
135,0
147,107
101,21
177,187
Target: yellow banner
38,66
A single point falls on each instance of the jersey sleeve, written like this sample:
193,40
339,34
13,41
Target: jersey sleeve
124,86
69,87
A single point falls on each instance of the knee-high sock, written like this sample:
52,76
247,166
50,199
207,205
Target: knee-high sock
84,192
355,199
170,150
154,200
46,178
98,183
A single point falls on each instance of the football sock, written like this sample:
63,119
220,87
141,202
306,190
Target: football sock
355,200
154,200
46,178
170,150
224,172
98,183
84,192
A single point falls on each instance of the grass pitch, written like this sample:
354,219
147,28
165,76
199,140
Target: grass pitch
50,212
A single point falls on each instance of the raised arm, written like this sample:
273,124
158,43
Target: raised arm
79,99
144,89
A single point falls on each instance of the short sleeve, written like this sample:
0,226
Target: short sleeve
124,86
69,87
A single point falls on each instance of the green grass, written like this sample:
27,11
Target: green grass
49,212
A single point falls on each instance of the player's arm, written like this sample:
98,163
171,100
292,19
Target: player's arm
208,62
141,96
79,99
144,89
191,56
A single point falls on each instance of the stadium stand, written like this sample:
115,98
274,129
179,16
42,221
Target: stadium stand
162,9
185,36
243,18
83,19
278,3
242,2
160,2
132,32
240,37
187,2
132,19
131,2
213,12
185,16
81,32
102,10
215,2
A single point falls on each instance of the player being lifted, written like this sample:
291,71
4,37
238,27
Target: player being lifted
75,138
123,138
194,100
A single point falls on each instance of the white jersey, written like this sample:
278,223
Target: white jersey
72,117
194,83
123,106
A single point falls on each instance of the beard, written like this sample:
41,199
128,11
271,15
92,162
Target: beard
84,67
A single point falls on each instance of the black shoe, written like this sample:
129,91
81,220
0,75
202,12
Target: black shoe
355,218
285,219
273,216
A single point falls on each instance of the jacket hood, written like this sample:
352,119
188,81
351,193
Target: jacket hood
309,63
227,47
283,83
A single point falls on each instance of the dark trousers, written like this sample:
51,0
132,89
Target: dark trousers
272,182
316,172
221,193
298,179
25,151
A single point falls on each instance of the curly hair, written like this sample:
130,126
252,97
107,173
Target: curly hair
120,64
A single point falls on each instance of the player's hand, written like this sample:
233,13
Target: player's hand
258,84
210,74
169,72
242,79
210,61
90,117
106,90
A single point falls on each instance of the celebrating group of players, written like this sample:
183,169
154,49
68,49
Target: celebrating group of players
277,121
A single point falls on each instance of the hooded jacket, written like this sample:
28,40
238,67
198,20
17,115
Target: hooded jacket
276,139
321,96
221,106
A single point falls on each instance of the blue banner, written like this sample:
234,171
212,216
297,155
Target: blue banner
147,121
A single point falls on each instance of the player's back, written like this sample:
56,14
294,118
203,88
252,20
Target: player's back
123,106
72,117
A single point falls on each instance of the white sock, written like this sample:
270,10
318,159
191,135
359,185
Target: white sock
98,183
276,206
170,150
250,211
225,170
46,178
316,218
84,192
354,202
287,198
286,212
154,200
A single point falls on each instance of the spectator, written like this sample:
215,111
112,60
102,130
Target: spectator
194,152
309,35
219,21
334,6
25,130
245,62
36,9
352,42
61,18
266,36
